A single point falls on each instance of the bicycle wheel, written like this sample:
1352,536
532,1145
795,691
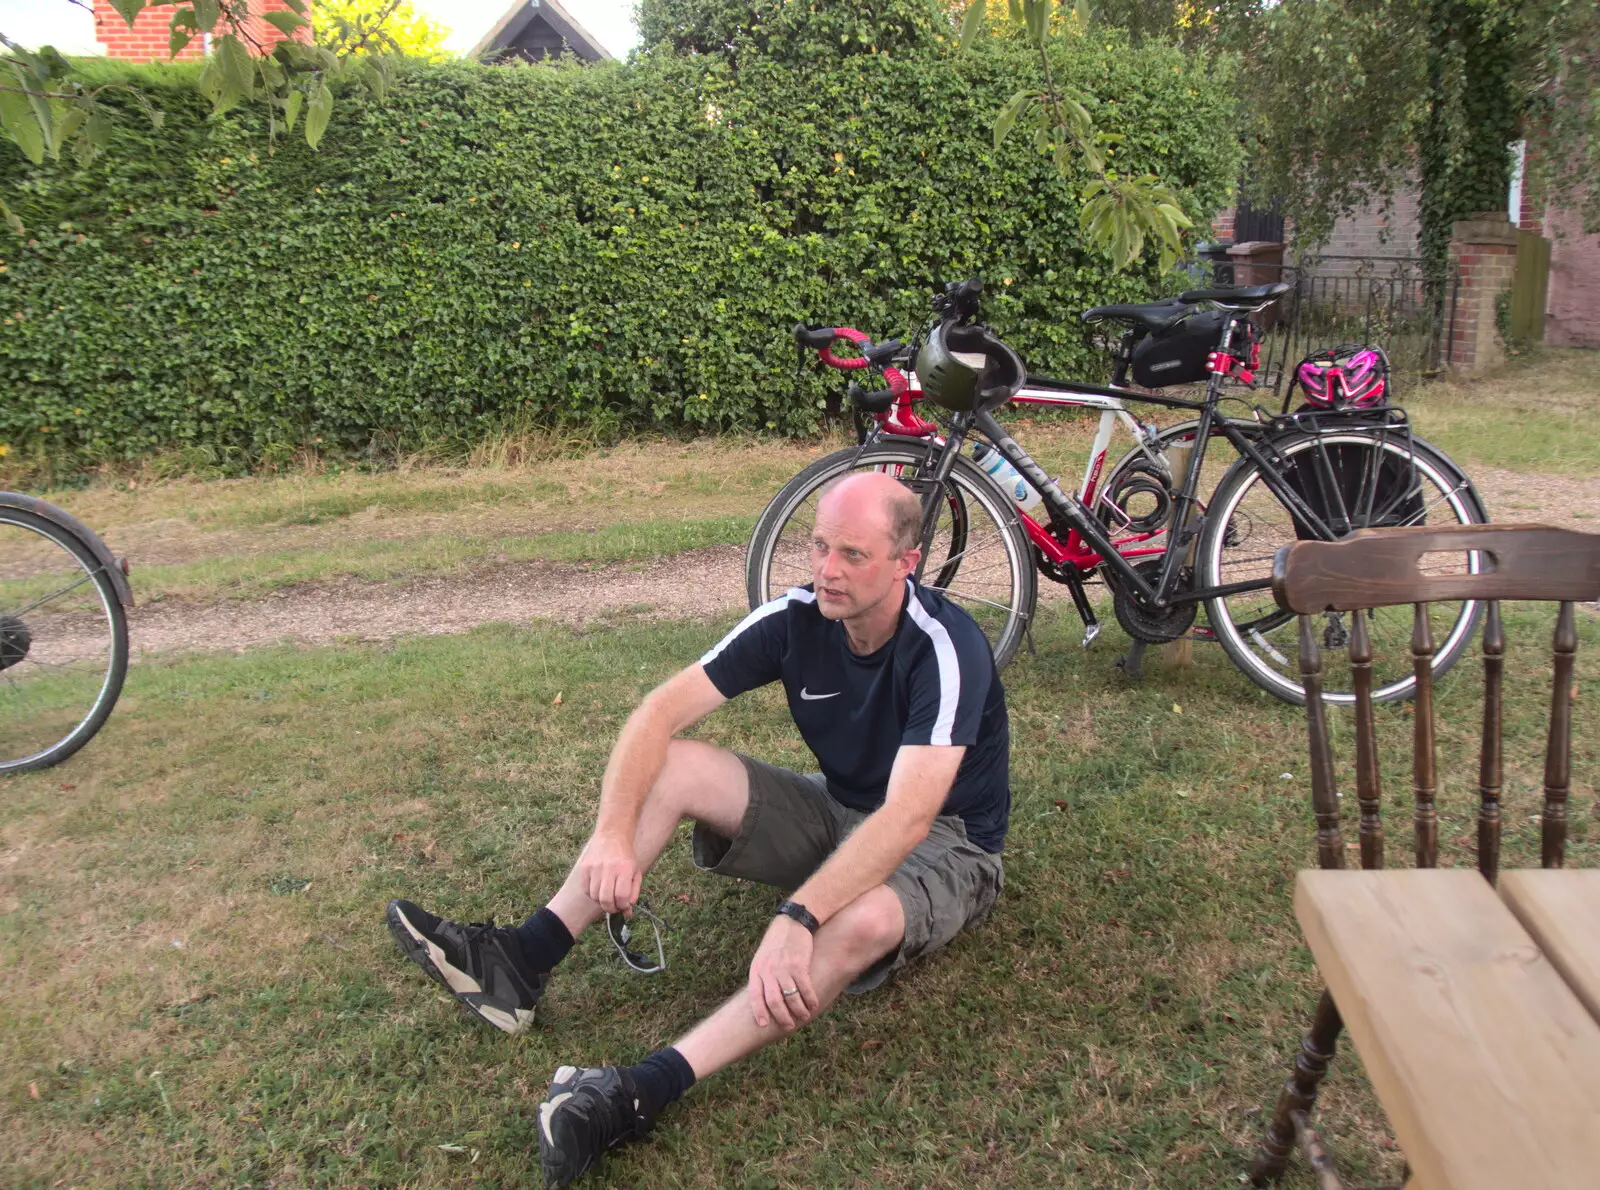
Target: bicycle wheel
1368,481
63,643
980,558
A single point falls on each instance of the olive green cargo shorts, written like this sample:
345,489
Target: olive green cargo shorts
792,824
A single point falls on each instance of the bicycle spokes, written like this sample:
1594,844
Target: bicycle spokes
62,645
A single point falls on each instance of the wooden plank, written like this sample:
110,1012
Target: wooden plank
1521,287
1541,292
1383,567
1485,1061
1560,908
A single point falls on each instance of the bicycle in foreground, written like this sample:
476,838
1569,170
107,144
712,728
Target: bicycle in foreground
1163,551
63,633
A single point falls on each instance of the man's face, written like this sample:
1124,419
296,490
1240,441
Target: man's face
854,565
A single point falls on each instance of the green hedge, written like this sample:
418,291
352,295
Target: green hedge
613,245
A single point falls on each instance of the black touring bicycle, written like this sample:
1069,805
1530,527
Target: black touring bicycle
994,521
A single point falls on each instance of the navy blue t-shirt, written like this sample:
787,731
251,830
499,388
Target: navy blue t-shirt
934,682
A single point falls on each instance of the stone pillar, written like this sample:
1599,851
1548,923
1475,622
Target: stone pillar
1484,251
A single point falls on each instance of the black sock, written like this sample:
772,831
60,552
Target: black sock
544,941
662,1078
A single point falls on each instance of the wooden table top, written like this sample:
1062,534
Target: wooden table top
1486,1061
1560,909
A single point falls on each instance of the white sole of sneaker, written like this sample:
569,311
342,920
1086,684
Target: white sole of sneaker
547,1109
463,984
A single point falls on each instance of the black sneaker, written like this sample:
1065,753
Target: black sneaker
588,1112
477,963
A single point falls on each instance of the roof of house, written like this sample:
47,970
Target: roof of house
535,29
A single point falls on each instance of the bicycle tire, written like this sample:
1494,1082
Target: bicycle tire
773,564
24,689
1266,648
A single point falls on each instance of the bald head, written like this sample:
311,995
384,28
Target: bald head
871,497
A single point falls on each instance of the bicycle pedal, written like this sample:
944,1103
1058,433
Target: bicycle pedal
1090,634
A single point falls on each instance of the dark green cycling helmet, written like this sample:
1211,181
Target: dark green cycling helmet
967,369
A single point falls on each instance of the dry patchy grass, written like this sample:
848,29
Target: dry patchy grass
198,989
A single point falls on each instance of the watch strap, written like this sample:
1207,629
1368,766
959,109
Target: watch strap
798,912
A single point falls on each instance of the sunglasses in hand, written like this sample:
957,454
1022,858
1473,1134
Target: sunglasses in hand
623,931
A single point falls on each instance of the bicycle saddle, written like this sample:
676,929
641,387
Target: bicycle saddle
1153,316
1239,297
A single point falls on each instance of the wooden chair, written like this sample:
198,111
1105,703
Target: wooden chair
1380,568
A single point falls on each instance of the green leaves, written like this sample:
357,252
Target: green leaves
206,13
285,22
19,119
972,23
440,286
318,111
237,69
1016,107
1119,214
129,10
1036,18
47,106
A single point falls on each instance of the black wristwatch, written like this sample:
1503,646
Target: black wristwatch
798,912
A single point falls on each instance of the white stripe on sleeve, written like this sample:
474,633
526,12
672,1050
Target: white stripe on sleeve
798,594
944,652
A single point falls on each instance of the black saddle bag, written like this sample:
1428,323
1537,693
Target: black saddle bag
1178,354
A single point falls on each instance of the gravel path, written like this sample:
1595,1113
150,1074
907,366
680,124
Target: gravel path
693,585
697,585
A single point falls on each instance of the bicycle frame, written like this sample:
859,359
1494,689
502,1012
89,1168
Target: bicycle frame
1074,551
1080,542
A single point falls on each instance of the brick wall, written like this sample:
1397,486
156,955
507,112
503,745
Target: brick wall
1373,230
1484,250
1574,293
149,37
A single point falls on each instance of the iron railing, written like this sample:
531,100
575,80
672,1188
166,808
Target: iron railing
1386,302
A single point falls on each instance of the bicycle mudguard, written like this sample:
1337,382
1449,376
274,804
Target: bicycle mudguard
87,536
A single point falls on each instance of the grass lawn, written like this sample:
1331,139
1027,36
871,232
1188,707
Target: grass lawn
196,987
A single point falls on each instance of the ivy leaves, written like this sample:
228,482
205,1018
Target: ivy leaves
611,247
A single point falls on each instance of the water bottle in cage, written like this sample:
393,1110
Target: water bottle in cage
1010,480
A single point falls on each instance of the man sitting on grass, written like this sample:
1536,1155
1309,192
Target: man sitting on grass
890,852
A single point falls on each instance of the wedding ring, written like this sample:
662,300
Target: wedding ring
790,991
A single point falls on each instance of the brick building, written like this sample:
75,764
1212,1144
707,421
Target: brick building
149,38
1378,232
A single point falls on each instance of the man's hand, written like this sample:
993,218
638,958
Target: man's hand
610,874
783,964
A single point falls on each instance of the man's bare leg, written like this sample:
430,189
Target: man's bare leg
589,1111
699,781
852,940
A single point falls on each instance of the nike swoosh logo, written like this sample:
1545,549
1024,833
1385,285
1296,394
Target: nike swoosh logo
814,697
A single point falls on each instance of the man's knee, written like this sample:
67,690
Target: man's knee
703,782
870,926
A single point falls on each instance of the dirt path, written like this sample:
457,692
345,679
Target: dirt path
696,585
